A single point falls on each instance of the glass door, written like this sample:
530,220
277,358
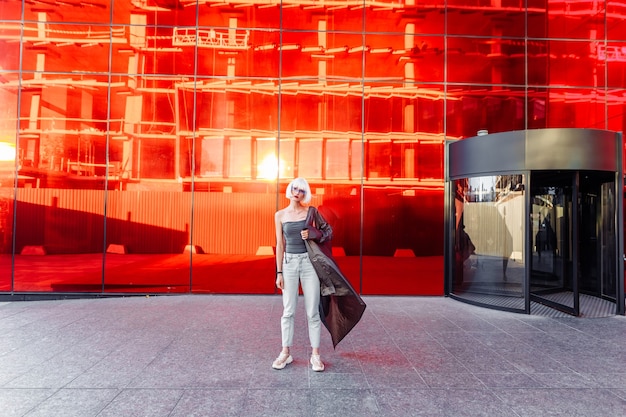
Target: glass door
552,270
598,260
574,235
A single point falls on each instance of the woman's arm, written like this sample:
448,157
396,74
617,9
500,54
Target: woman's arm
280,248
322,232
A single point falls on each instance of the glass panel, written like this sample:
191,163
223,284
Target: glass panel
575,63
356,160
10,47
287,158
57,223
11,10
552,270
10,156
310,158
156,159
409,57
575,19
160,55
615,110
538,58
7,195
472,108
266,55
503,18
211,157
537,18
145,248
614,54
608,239
401,239
340,18
235,240
75,48
430,19
429,164
378,164
219,48
489,240
267,164
240,157
300,110
565,107
321,54
96,13
597,236
616,20
485,60
337,162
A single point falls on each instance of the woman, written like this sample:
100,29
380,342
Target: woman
294,267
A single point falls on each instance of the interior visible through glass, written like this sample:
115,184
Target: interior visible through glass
489,240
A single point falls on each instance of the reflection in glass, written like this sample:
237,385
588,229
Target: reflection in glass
211,163
126,108
8,156
614,53
337,159
467,18
569,107
9,60
267,163
489,240
146,248
401,238
469,111
565,21
573,232
239,157
310,158
481,60
576,63
552,217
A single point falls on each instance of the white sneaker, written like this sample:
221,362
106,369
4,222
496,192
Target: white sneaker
316,363
282,360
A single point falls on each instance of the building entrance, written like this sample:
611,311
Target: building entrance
573,239
535,222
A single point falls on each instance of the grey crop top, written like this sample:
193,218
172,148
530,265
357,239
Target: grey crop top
293,239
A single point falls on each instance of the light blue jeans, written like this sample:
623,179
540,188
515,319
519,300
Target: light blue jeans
297,268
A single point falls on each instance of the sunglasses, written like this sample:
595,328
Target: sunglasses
296,190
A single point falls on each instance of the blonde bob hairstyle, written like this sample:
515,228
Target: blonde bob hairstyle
302,184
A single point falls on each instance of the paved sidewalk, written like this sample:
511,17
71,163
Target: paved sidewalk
208,355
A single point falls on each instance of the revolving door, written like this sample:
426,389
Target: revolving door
534,221
573,239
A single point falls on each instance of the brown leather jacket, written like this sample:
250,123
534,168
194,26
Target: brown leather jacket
341,307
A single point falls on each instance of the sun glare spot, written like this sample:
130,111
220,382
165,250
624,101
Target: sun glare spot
7,151
268,169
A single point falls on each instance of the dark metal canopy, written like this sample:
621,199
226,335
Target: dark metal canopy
541,149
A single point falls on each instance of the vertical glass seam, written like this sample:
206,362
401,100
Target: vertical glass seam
106,154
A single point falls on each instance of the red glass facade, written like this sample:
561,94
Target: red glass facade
146,144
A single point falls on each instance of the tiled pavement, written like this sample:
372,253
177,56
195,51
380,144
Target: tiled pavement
207,355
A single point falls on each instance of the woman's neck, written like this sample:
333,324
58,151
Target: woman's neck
295,206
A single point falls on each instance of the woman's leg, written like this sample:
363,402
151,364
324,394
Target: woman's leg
311,290
290,299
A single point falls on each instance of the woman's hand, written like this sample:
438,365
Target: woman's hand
305,234
280,282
